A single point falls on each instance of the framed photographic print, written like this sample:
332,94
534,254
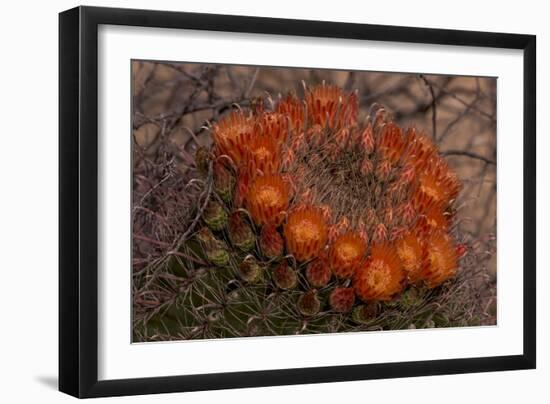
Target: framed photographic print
250,201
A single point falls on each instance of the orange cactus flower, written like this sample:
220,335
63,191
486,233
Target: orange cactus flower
267,199
381,276
380,233
420,149
329,107
367,139
274,126
391,143
411,253
294,109
242,187
232,134
434,216
336,230
383,170
431,214
262,156
442,259
346,254
438,182
430,184
306,233
327,212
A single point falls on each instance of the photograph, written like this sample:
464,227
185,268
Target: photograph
277,201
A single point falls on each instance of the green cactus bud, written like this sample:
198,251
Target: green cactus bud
215,216
364,313
284,276
256,327
250,270
224,182
309,303
429,324
410,298
240,232
215,250
202,159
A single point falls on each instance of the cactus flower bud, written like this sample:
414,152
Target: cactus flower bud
410,298
224,182
271,241
284,276
202,158
215,216
250,270
240,232
215,250
341,299
363,313
309,303
318,273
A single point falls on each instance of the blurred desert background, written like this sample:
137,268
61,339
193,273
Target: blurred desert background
172,102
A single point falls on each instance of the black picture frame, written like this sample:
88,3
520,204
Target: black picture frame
78,201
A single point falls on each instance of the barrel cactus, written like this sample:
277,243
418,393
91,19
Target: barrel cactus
312,220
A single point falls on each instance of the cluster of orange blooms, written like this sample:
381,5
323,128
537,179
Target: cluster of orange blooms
400,236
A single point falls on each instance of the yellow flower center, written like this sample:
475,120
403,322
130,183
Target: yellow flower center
269,196
348,252
262,153
305,230
378,275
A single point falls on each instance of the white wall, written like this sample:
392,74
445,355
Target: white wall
28,199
